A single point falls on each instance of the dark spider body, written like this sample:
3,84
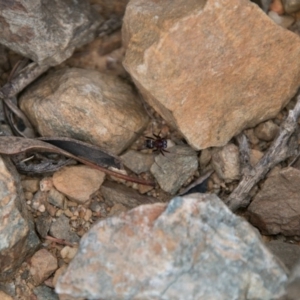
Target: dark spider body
157,143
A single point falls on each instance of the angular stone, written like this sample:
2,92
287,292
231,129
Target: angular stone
205,70
173,169
56,198
47,31
137,162
78,183
191,248
266,131
255,156
43,292
226,162
18,239
86,105
288,253
61,229
119,193
68,253
276,208
42,265
30,185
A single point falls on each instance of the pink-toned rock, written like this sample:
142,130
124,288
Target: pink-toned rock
191,248
17,234
43,264
205,70
276,208
86,105
78,183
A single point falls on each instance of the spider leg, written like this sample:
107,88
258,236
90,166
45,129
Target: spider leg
157,135
150,138
164,150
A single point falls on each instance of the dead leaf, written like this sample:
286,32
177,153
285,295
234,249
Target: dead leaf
11,145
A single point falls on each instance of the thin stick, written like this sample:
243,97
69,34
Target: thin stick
59,241
244,153
278,152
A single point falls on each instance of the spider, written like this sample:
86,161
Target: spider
157,143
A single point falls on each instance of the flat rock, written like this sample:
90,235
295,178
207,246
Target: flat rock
191,248
121,194
56,198
47,32
173,169
137,162
276,208
18,239
78,183
288,253
86,105
42,265
61,229
205,70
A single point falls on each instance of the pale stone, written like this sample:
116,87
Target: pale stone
210,68
68,253
226,162
78,183
46,184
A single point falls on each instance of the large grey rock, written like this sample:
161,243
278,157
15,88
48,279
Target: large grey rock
47,31
191,248
18,239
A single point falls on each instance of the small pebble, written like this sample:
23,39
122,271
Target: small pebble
88,215
28,195
68,213
30,185
46,184
283,21
42,208
67,253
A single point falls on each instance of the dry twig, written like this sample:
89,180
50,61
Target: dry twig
278,152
